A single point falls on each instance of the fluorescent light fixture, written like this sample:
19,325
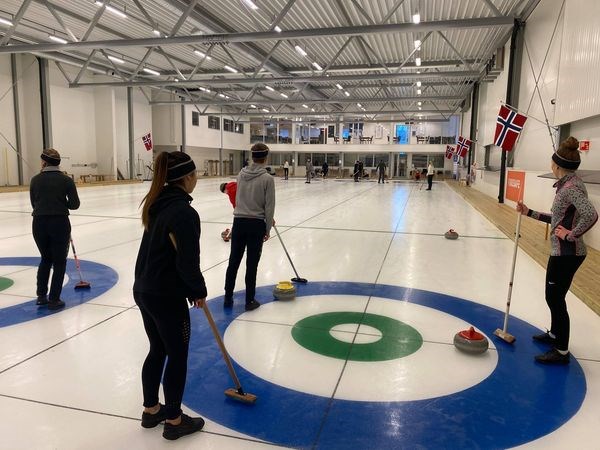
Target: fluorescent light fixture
265,110
251,4
6,22
202,55
419,103
270,88
203,89
156,32
151,72
317,66
418,91
252,106
57,39
312,109
418,71
231,69
221,95
305,106
347,94
417,61
420,108
115,59
113,10
359,105
416,18
339,86
277,29
283,95
300,50
177,80
418,84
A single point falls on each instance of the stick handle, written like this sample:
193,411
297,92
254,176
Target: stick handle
512,272
286,252
213,327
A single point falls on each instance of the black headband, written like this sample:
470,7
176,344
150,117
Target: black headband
565,163
51,160
260,154
178,171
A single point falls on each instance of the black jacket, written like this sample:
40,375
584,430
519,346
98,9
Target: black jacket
160,269
52,193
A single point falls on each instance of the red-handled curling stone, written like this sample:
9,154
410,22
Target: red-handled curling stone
470,341
451,234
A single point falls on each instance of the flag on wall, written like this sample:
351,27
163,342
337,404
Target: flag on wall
508,127
449,151
463,146
147,138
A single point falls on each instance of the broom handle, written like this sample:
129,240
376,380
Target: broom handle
512,272
286,252
213,327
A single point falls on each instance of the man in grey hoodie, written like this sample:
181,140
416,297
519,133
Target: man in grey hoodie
252,222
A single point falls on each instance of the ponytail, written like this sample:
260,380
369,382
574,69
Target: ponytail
158,181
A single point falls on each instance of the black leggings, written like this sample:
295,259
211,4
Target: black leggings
245,233
167,324
51,235
559,275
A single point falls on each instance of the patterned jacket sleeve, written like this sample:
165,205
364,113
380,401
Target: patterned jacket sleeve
543,217
587,213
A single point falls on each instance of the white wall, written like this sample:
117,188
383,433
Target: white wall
8,157
106,130
202,136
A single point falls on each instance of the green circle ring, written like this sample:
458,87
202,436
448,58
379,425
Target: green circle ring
398,339
5,283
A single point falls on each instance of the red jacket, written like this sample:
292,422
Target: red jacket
231,190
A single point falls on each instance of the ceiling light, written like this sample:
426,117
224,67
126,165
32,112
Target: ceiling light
252,106
6,22
221,95
156,32
347,94
305,106
231,69
115,59
420,108
417,61
312,109
57,39
359,105
317,66
419,103
418,71
202,55
283,95
417,44
300,50
251,4
277,29
151,72
418,91
270,88
177,80
112,9
416,18
265,110
418,84
339,86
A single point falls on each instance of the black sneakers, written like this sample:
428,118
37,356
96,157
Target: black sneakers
56,304
187,426
228,302
545,338
252,304
42,300
553,357
152,420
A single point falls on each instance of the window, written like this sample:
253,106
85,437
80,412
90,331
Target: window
214,122
228,125
195,119
333,159
239,128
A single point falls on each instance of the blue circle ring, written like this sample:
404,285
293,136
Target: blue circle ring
520,401
101,278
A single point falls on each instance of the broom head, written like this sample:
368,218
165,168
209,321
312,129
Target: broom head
505,336
240,395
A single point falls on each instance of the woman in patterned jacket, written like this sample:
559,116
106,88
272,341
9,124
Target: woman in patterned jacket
572,216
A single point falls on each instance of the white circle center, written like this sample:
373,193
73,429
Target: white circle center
346,332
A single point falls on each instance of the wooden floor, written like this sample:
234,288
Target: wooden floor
586,284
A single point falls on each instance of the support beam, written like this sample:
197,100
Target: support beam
473,129
45,103
15,87
130,132
15,22
256,113
229,38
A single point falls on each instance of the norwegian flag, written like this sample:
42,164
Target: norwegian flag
449,151
147,138
509,125
463,146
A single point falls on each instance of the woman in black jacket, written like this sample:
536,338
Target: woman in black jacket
167,272
52,195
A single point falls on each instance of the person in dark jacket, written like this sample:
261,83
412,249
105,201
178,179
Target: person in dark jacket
325,169
572,215
252,222
356,171
167,272
52,195
381,172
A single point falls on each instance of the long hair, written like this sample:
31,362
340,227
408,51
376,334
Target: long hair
163,161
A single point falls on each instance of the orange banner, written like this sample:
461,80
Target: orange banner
515,185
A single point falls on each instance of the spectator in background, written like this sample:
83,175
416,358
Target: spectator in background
430,174
286,170
381,171
325,168
309,170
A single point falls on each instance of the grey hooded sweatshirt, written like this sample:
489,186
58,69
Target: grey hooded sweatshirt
255,198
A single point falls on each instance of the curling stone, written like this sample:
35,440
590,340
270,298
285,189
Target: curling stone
226,235
451,234
470,341
284,290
